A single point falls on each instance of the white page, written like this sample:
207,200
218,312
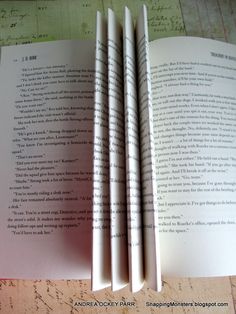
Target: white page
119,256
46,96
149,191
194,103
101,265
133,189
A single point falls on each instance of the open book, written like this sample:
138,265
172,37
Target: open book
118,158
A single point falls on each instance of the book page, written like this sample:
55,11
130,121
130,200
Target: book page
194,103
46,134
119,255
101,265
147,154
133,183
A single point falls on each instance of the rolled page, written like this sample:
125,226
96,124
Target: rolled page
147,149
119,256
133,187
101,252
